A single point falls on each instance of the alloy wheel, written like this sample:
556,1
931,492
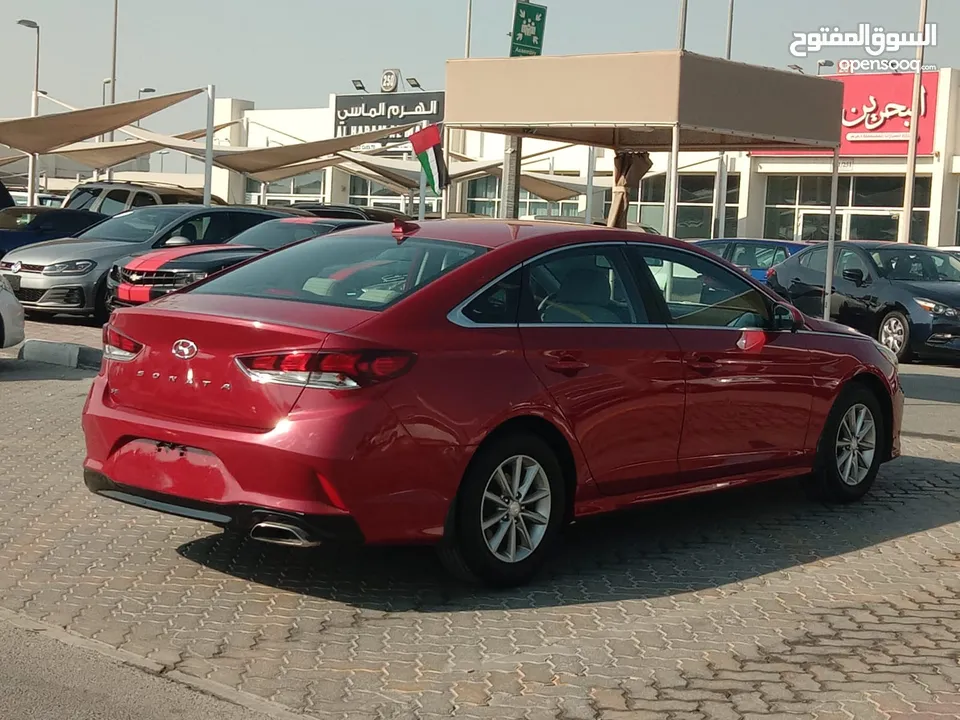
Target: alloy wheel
516,509
856,444
893,333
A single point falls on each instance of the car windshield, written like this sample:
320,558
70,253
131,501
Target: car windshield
904,263
277,233
133,226
354,271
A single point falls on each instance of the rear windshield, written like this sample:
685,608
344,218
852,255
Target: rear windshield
354,271
277,233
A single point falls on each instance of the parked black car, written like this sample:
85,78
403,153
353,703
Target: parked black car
905,296
376,214
21,226
137,279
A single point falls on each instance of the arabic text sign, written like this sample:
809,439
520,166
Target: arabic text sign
354,114
877,116
528,24
874,41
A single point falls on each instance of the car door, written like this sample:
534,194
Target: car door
748,390
803,277
855,302
616,377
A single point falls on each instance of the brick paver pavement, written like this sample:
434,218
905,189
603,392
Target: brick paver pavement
752,604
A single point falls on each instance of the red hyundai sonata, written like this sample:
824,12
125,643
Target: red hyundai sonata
476,385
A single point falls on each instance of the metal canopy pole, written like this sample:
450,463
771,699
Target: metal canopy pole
208,158
831,230
906,217
591,167
720,186
673,183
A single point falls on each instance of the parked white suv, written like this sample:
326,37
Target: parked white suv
112,198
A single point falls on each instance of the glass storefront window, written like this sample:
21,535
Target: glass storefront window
731,222
778,223
485,187
309,183
887,191
694,221
781,190
490,208
652,190
815,190
733,188
359,186
696,189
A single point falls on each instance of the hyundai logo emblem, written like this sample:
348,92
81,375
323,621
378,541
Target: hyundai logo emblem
16,266
184,349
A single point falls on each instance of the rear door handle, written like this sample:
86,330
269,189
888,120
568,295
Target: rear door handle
567,367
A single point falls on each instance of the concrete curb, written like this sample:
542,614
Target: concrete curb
69,355
208,687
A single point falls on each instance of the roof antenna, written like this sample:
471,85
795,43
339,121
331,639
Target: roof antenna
403,228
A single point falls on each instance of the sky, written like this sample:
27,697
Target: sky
294,53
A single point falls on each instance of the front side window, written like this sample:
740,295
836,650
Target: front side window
698,292
205,229
916,266
353,271
498,304
851,260
581,286
717,248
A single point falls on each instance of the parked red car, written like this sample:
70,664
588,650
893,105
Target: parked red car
476,385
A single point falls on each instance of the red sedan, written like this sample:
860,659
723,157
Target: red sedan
476,385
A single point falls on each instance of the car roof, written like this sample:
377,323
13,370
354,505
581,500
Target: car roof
763,241
314,220
492,233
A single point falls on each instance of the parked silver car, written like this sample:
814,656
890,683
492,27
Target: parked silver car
69,276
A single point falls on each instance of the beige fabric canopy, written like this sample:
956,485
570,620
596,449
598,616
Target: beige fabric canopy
718,104
255,160
44,133
104,155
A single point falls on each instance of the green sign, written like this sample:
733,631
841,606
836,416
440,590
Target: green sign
528,22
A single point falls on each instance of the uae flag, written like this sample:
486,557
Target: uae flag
429,149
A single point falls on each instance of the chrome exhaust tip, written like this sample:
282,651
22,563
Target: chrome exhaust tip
277,533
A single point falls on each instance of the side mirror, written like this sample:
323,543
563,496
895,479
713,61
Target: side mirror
177,241
786,318
853,275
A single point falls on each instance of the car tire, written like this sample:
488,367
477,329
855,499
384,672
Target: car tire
101,311
837,477
524,523
894,333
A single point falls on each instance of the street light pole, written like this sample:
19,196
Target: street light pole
33,159
466,50
906,217
113,70
144,91
682,30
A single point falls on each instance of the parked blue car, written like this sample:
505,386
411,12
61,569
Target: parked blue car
20,226
753,255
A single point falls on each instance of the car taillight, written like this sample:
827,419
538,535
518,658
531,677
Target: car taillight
119,347
328,370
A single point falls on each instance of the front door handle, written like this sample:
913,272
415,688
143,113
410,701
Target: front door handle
703,364
567,366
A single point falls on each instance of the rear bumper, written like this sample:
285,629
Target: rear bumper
340,529
337,465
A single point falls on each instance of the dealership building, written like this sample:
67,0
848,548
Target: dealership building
776,194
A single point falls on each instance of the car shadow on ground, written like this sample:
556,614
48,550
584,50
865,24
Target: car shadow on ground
655,551
65,320
13,370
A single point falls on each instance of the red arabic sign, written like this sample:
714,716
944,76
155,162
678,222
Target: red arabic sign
877,115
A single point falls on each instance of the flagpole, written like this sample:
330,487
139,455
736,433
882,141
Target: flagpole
422,210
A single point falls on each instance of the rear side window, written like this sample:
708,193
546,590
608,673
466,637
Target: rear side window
142,200
815,260
498,304
717,248
175,199
753,255
349,271
83,199
114,202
